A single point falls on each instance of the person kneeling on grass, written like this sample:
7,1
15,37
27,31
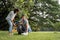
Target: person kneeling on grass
10,19
25,25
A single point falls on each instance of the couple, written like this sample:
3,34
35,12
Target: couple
10,19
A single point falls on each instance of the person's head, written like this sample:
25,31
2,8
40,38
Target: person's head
16,10
23,16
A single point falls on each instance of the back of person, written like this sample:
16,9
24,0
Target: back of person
25,21
25,25
10,16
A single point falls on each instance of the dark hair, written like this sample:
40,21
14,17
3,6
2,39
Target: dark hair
16,10
22,15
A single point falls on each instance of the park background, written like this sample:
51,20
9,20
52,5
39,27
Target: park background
43,16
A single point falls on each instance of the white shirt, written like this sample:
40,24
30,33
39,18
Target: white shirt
11,15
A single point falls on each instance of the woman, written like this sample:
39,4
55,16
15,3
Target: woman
26,27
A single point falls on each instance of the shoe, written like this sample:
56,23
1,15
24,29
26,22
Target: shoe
25,33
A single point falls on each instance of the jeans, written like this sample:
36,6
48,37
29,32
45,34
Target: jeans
10,25
29,29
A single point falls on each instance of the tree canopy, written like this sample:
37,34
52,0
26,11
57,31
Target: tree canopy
42,14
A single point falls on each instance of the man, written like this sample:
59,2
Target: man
10,19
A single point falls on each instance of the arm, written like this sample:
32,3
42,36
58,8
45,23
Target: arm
13,22
26,27
20,21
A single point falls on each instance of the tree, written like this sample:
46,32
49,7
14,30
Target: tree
5,7
37,11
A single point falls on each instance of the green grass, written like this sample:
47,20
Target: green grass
32,36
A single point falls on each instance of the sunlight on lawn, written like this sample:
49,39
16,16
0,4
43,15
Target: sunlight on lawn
32,36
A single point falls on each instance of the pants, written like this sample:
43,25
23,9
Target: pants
10,25
29,29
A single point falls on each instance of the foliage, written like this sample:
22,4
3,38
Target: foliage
5,7
42,14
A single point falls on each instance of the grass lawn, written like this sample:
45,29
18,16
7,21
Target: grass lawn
32,36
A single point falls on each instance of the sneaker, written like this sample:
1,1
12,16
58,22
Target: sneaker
25,33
